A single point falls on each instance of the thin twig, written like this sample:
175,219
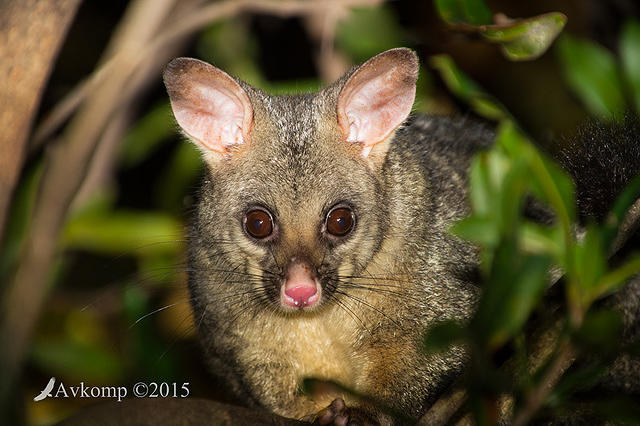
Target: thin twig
194,21
628,226
444,408
105,158
65,170
535,399
322,27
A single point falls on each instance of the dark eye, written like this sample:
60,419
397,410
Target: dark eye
340,221
258,223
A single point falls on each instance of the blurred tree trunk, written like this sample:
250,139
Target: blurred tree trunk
66,165
31,33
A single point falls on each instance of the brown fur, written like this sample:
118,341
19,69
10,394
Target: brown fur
368,338
399,271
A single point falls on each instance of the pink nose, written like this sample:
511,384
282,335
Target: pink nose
300,288
301,294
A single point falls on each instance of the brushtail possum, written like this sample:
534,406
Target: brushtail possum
321,245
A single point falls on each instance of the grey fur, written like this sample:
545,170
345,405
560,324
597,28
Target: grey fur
410,270
421,183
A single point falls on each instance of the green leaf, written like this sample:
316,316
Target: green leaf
526,290
511,197
630,57
466,89
548,181
589,265
540,239
601,332
442,335
487,172
526,39
614,219
368,31
119,232
488,107
614,280
499,166
480,230
496,195
481,192
78,361
513,289
593,74
474,12
147,135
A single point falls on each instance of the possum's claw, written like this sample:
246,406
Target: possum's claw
334,414
338,414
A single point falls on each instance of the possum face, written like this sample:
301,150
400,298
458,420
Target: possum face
294,202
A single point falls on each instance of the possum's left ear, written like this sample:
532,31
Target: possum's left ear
378,97
209,105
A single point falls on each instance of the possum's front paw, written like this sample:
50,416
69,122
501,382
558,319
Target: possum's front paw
338,414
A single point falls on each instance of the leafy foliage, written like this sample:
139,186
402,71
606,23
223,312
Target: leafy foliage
630,57
519,40
482,103
598,78
517,255
592,72
526,39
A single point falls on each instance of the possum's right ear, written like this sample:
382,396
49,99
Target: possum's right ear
210,106
377,98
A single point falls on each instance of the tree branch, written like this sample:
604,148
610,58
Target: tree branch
31,33
188,24
65,169
629,225
534,400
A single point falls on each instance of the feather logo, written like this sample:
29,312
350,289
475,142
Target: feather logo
46,391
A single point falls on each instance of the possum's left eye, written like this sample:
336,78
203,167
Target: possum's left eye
340,221
258,223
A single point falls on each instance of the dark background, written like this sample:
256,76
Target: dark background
122,251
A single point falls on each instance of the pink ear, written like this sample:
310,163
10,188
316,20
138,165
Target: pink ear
208,104
378,97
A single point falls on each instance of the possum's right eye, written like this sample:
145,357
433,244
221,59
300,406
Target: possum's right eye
340,221
258,223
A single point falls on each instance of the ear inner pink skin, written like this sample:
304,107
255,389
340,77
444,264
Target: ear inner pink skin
300,289
377,98
208,104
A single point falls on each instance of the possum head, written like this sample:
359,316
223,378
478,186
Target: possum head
293,199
